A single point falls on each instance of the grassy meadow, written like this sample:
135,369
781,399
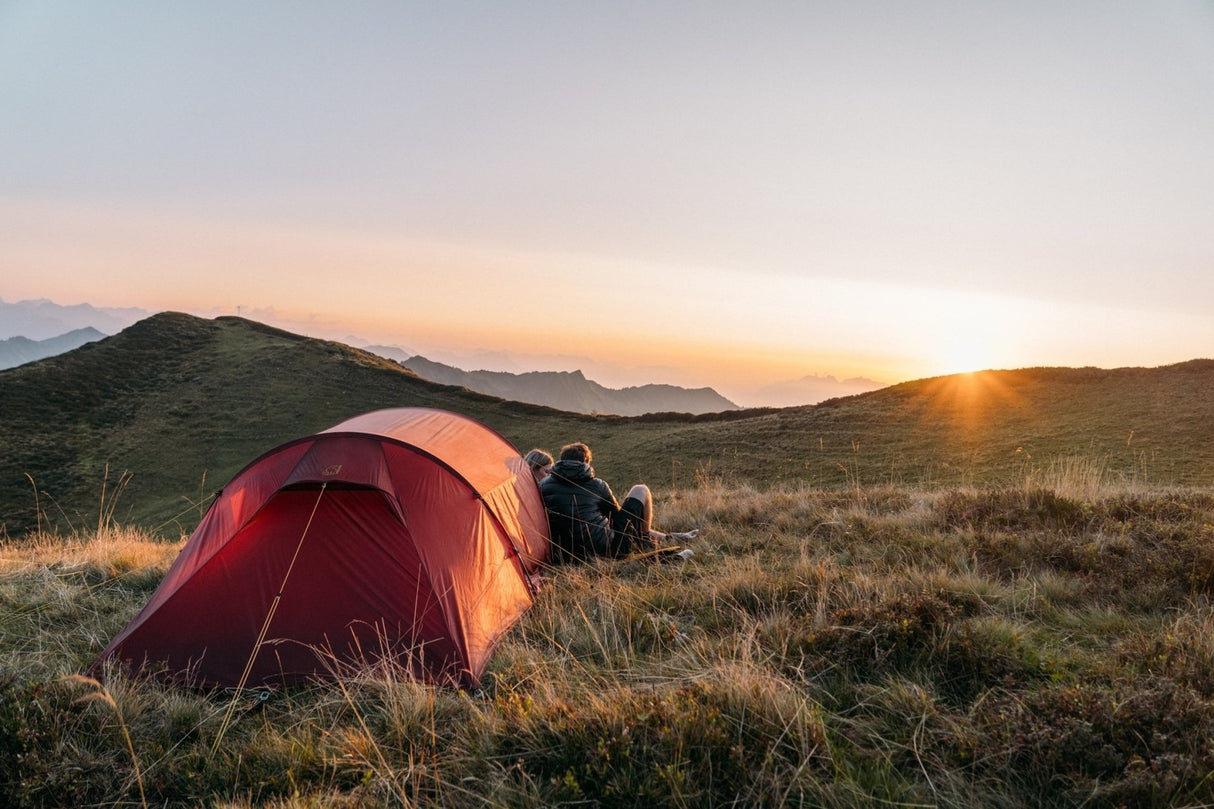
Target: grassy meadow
1046,644
989,589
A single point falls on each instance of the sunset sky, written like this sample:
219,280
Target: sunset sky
724,194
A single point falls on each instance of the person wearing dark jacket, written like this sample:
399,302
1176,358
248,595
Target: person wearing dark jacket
585,518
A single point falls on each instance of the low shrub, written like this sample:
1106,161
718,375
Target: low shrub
1147,743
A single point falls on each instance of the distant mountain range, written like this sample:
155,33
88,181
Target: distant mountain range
572,391
42,319
16,351
812,389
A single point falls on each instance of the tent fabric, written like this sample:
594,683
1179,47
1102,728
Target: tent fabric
408,534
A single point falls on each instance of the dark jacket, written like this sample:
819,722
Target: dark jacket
579,511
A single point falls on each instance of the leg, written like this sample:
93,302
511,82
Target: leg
634,521
642,495
656,538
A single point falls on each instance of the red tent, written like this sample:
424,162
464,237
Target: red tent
412,534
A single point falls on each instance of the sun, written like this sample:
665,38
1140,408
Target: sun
966,356
964,332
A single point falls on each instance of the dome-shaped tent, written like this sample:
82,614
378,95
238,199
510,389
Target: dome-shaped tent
412,534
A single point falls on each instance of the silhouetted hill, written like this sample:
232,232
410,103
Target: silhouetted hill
19,350
572,391
183,403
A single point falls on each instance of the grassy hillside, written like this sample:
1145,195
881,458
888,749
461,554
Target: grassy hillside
147,424
183,403
872,646
991,427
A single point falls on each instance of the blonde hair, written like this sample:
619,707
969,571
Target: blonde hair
537,458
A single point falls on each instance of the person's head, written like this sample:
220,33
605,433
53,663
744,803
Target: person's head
576,452
539,462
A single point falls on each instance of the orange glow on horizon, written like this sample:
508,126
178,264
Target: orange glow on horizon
967,400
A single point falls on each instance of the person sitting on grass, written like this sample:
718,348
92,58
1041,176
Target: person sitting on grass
540,464
586,520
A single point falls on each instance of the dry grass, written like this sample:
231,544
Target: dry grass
1039,645
65,597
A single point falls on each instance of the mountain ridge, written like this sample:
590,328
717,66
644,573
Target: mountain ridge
19,350
572,391
814,388
41,319
145,424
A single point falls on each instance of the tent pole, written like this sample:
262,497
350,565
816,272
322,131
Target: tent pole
265,627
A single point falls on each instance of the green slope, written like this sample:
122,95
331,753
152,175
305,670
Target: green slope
183,403
1153,426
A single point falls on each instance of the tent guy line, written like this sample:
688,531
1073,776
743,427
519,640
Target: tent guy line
265,627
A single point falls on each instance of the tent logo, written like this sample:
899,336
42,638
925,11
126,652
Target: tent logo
330,471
